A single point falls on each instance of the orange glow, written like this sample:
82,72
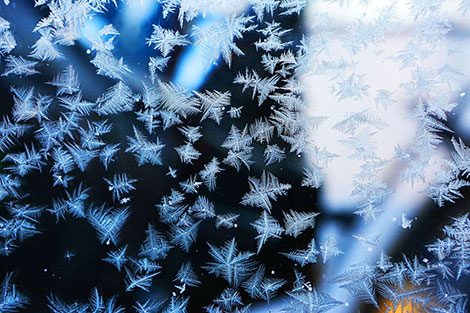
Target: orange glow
408,307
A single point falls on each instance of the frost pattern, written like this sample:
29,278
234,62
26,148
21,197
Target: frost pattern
64,134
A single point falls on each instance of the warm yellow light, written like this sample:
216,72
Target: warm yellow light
405,307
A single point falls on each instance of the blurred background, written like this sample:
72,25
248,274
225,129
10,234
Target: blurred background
39,263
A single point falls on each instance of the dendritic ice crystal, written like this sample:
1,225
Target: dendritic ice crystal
220,156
